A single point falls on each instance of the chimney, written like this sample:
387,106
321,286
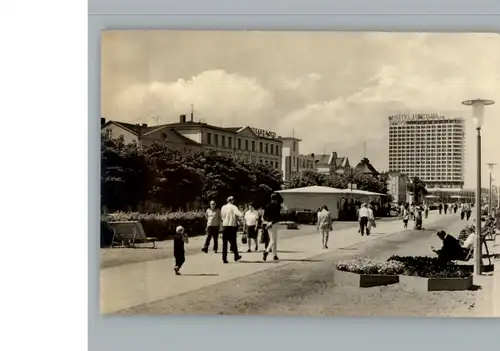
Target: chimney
103,121
182,119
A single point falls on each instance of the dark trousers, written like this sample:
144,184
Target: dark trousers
440,210
462,215
212,233
265,239
363,221
180,258
468,215
229,237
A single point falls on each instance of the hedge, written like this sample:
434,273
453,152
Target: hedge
157,225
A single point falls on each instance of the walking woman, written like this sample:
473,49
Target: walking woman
324,225
406,216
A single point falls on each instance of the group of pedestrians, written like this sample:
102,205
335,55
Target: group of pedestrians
414,212
366,219
230,218
465,209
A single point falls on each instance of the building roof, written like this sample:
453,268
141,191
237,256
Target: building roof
139,129
321,158
327,190
339,162
364,166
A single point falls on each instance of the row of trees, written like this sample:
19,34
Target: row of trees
340,181
132,177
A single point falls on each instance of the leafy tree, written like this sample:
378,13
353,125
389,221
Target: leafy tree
176,180
125,176
417,188
307,178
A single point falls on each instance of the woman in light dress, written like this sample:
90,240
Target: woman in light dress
324,225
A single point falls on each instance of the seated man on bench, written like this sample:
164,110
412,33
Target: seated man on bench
451,249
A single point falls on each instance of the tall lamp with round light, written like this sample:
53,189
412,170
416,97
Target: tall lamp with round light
478,118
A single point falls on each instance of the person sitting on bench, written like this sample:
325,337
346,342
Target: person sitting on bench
451,249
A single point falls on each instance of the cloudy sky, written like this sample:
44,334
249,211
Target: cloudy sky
333,90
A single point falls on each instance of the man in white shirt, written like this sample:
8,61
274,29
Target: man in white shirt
371,220
230,215
363,218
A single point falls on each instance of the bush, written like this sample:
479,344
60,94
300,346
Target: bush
430,267
366,266
162,226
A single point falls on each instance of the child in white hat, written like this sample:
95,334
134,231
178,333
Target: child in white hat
180,238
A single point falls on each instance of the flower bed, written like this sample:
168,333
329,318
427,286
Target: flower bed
361,272
157,225
430,267
430,274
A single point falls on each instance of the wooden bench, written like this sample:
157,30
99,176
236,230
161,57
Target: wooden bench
470,254
129,232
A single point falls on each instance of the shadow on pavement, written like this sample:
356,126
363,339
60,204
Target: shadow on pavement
200,274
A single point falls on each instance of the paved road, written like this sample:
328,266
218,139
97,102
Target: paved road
120,256
307,287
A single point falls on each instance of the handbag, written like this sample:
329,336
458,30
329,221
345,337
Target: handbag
244,237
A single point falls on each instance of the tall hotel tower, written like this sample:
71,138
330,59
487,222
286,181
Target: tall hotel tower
428,146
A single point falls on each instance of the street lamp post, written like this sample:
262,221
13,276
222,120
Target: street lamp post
490,199
478,118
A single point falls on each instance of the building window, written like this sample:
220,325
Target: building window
122,137
294,146
293,161
253,145
216,139
230,141
277,165
246,144
277,150
223,140
209,138
109,134
267,148
272,149
261,147
239,144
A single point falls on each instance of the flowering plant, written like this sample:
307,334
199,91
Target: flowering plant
367,266
430,267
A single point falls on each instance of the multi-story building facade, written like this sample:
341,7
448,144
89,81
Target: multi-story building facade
292,162
144,135
430,147
255,144
397,184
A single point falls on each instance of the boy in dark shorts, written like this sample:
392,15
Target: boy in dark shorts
180,238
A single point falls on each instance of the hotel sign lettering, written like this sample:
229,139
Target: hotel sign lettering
403,118
264,133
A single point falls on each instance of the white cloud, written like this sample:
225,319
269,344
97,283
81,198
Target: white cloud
216,94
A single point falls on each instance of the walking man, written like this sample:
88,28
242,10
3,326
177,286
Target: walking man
363,218
272,214
230,216
213,226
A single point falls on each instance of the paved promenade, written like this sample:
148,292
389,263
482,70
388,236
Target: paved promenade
135,284
496,278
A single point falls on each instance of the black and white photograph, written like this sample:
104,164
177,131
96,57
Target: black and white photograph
295,173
